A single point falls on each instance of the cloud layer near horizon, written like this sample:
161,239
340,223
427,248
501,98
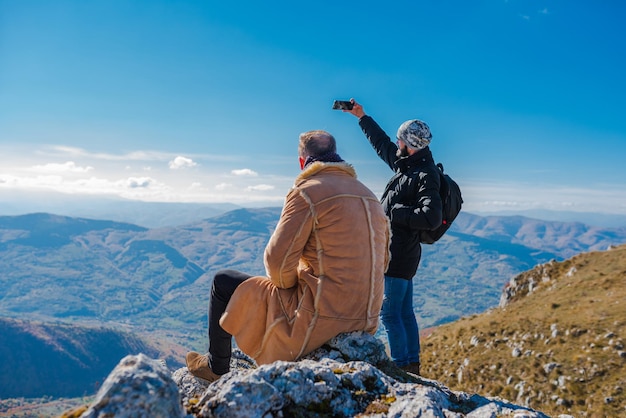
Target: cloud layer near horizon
174,177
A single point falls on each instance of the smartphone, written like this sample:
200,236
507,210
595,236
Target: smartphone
342,104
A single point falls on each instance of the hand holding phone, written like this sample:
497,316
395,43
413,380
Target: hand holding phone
342,105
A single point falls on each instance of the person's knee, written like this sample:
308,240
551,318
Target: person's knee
219,280
221,277
226,281
391,317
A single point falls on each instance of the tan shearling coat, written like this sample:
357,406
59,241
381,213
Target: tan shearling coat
325,266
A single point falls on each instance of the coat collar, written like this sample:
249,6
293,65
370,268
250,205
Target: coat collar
318,166
421,157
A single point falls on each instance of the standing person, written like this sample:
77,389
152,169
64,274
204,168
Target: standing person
325,265
412,203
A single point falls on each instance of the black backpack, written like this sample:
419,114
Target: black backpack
451,202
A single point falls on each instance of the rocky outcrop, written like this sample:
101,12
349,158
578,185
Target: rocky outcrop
349,376
527,282
541,276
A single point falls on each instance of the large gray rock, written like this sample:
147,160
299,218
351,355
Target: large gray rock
137,387
350,375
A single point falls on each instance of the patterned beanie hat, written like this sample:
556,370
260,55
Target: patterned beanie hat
415,134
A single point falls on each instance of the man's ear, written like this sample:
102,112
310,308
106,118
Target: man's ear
302,161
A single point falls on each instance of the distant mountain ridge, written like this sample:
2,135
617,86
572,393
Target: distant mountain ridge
604,220
563,238
146,214
44,230
83,270
162,214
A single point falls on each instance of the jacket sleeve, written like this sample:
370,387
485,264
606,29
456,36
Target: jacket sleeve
426,213
285,247
385,148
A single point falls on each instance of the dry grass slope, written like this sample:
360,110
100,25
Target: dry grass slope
557,346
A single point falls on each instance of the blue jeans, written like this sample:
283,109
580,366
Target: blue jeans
399,321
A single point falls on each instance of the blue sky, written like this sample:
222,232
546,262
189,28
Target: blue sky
203,101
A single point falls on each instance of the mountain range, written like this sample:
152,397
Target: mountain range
162,214
97,271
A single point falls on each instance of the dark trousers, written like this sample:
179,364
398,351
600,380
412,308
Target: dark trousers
220,342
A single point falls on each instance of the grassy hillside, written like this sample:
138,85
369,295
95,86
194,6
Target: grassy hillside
557,344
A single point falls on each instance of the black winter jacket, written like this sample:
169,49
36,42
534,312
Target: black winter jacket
411,199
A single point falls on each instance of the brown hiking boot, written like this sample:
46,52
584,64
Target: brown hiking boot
198,365
413,368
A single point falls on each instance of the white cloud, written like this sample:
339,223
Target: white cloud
181,162
218,182
245,172
132,187
134,182
138,175
479,197
260,188
68,167
82,153
139,155
223,186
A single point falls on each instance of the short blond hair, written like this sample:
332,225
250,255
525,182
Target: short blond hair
316,143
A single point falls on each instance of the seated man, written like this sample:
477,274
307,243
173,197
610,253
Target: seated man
325,265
